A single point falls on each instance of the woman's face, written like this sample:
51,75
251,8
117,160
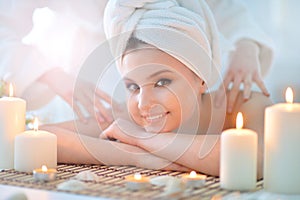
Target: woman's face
163,92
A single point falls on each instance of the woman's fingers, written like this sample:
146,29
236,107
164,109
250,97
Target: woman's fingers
77,110
247,86
92,103
103,112
107,98
103,95
236,80
233,93
260,83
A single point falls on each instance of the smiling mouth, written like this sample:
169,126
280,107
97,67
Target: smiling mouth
151,118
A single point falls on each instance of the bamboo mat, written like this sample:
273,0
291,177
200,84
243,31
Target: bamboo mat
111,183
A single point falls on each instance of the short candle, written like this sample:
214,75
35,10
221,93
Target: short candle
194,180
35,148
44,174
238,165
137,182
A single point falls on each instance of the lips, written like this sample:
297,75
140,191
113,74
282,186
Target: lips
154,117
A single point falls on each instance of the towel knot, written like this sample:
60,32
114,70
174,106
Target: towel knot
190,37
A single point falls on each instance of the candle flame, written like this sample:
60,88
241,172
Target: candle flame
239,121
193,174
35,124
289,97
137,176
44,168
11,90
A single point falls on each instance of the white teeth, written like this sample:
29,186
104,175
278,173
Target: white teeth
154,117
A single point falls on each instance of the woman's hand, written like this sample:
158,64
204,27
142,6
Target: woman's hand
244,69
129,133
126,132
86,94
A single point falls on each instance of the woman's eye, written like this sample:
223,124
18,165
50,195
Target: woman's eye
132,87
163,82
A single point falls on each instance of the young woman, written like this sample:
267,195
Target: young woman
177,117
171,116
168,57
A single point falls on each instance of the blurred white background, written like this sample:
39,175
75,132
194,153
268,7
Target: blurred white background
280,20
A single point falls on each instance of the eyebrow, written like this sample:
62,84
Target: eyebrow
159,72
152,75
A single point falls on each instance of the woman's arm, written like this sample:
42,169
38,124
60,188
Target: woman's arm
83,149
199,152
191,151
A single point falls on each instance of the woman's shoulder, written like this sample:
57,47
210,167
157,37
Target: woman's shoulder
252,108
256,101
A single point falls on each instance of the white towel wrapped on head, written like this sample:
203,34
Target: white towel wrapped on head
190,37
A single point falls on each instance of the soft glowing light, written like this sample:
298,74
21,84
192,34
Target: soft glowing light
42,19
137,176
239,121
289,96
44,168
35,124
193,174
54,36
11,90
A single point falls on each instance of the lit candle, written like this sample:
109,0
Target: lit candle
137,182
194,180
282,148
238,164
12,122
35,148
44,174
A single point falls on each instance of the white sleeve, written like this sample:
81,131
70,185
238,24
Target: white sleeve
235,24
20,64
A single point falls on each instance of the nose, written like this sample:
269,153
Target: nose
145,98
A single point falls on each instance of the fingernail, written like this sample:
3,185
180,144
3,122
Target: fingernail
246,98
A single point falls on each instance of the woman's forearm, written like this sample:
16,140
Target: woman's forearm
82,149
198,152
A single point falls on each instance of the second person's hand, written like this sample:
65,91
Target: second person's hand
244,68
85,96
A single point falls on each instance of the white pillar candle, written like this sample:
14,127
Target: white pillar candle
282,147
238,164
12,122
35,148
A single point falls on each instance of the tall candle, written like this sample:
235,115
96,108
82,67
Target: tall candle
12,122
35,148
282,147
238,164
